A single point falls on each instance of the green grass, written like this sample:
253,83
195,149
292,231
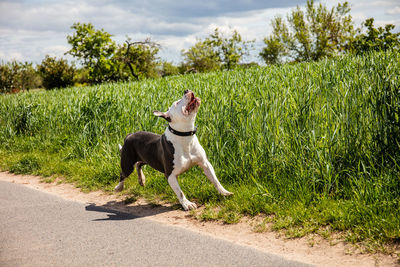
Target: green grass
312,145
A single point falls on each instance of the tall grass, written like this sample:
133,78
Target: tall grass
314,144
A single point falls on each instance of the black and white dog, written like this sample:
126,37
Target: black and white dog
172,153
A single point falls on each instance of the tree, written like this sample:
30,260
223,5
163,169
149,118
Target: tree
27,77
311,35
15,76
107,61
216,51
139,57
230,50
201,57
8,77
56,73
167,69
375,39
95,49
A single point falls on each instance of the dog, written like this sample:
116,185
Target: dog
172,153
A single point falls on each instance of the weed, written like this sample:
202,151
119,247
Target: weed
28,164
208,214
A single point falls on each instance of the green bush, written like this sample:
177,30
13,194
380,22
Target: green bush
81,77
168,69
136,60
8,74
16,76
313,34
56,73
375,39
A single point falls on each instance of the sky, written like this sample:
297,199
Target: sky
31,29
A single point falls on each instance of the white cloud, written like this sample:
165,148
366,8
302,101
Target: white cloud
11,57
394,11
55,50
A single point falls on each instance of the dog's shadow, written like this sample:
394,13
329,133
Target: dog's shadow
118,210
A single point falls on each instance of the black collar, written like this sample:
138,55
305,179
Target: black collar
182,133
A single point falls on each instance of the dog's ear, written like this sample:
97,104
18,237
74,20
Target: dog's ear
162,115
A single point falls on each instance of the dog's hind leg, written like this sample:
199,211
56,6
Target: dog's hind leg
120,185
141,177
127,163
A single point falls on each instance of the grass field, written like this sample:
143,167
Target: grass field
315,146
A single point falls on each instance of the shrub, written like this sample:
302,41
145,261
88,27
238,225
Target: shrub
313,34
27,77
375,39
168,69
215,52
137,59
81,77
56,73
7,77
15,76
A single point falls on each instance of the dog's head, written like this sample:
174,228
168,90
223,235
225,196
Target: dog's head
183,110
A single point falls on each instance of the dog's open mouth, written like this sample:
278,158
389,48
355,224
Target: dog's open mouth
193,104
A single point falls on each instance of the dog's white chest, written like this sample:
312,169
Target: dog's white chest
187,152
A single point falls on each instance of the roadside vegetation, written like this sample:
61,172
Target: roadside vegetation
312,146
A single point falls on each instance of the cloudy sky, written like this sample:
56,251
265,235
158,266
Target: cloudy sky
30,29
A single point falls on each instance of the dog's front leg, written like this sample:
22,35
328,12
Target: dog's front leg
210,173
186,204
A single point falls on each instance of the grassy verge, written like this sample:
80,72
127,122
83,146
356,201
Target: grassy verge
312,146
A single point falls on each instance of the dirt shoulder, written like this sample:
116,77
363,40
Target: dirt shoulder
312,249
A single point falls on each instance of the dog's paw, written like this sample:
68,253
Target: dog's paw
119,187
141,182
187,205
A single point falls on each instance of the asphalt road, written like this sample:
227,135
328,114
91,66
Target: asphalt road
39,229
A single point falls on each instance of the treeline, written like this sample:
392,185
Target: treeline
305,35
